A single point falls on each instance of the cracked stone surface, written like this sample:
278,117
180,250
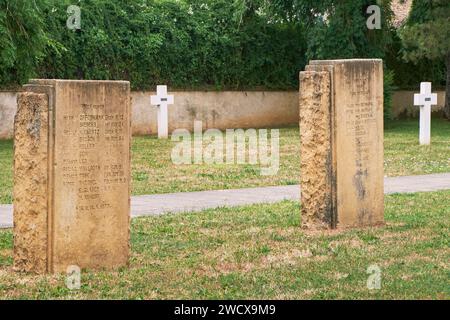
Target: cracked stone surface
315,139
30,183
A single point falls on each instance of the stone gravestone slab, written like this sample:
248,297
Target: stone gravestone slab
72,175
341,128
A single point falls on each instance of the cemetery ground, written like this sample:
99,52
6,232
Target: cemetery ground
153,171
260,252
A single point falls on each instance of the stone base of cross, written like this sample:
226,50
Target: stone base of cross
425,99
162,101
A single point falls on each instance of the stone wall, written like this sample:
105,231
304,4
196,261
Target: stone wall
403,103
218,110
221,110
8,108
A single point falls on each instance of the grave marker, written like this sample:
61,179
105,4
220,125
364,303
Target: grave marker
425,99
341,128
72,175
162,100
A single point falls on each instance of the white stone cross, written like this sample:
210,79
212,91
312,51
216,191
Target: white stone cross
425,99
162,100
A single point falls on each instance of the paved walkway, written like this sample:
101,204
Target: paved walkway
197,201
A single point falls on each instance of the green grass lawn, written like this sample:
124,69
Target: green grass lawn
153,171
6,171
404,155
260,252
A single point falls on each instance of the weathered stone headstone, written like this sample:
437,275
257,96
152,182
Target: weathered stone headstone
341,128
425,99
72,175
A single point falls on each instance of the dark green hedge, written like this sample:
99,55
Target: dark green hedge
184,46
190,44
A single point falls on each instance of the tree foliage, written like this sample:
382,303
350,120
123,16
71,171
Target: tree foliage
337,29
196,44
427,32
186,44
426,37
22,40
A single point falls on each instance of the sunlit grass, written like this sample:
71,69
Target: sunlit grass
6,171
260,252
404,155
